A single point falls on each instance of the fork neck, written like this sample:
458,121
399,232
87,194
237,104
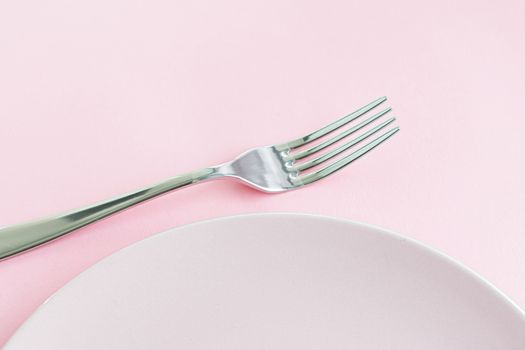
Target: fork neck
221,170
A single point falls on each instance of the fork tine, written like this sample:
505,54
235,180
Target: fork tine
342,135
333,126
333,153
309,178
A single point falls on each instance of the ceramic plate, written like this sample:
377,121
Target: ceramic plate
275,281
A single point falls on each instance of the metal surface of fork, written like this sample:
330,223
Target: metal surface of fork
271,169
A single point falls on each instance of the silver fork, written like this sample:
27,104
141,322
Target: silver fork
270,169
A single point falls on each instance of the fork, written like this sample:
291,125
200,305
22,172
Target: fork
276,168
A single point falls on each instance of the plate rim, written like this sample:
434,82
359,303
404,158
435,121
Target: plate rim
379,229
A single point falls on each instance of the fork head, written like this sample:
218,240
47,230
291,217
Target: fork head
290,165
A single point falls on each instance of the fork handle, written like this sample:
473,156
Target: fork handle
18,238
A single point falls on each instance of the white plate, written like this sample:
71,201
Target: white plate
275,281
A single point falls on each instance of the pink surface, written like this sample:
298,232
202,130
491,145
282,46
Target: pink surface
101,97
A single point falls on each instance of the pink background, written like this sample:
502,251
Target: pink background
101,97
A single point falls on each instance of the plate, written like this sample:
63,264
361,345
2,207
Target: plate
275,281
